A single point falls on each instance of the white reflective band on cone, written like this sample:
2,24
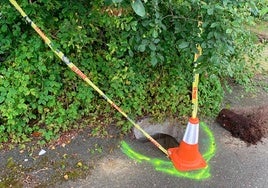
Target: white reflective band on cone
191,134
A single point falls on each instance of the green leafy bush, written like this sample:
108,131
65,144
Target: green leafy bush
143,63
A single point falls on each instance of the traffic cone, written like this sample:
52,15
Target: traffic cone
187,157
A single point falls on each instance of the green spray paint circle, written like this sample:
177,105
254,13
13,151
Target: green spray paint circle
166,166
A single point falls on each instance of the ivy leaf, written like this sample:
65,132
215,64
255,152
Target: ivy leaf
138,7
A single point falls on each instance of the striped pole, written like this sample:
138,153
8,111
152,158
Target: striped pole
195,84
82,75
196,76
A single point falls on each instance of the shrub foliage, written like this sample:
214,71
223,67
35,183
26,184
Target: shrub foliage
143,63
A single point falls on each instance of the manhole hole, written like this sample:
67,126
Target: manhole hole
165,140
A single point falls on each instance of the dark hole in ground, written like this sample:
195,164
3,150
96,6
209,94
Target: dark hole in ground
165,140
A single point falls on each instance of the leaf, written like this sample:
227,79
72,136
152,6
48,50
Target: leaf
228,31
79,164
215,24
154,61
2,98
141,47
253,8
22,106
264,11
152,46
225,2
108,2
184,45
117,1
138,7
155,33
4,28
130,52
210,11
156,41
66,177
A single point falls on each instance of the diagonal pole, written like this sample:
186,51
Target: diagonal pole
82,75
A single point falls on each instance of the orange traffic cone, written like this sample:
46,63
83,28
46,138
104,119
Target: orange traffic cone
187,157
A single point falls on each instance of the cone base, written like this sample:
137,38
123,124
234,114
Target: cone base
186,157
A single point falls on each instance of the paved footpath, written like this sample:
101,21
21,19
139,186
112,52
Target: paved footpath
233,165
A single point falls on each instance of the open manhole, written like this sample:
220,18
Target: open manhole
166,141
168,133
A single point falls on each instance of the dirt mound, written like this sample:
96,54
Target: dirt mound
248,124
259,115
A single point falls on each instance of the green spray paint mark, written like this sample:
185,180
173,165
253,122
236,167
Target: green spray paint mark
166,166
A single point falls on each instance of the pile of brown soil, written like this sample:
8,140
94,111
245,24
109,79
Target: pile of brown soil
248,124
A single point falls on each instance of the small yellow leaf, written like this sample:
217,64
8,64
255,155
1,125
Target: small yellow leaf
66,177
79,164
